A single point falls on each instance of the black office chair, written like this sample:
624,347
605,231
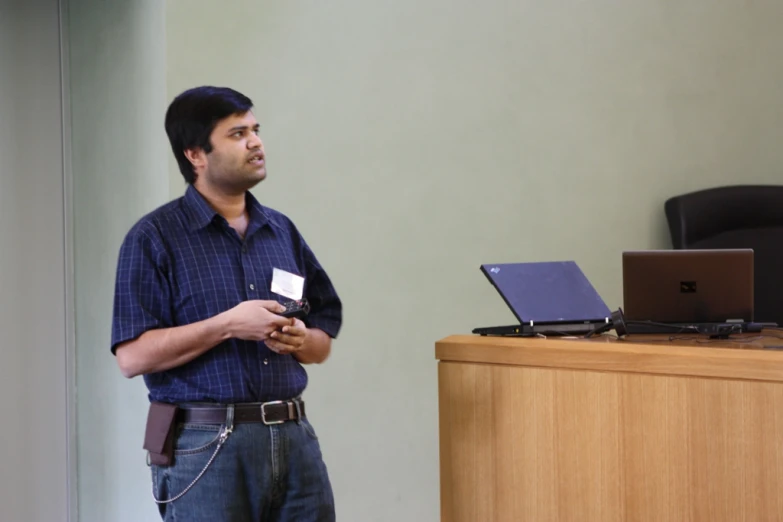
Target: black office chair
740,216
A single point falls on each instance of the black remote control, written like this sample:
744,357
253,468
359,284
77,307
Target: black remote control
296,309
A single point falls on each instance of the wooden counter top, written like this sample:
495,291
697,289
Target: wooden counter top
757,357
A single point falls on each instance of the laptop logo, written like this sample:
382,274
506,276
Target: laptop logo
495,269
688,287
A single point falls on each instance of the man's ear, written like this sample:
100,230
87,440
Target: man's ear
197,157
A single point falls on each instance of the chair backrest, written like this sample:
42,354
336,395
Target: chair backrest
740,216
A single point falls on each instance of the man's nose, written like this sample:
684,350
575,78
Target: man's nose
255,142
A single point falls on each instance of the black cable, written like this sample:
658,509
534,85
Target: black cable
720,340
680,329
728,330
599,329
651,323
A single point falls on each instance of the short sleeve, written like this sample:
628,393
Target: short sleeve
141,291
326,311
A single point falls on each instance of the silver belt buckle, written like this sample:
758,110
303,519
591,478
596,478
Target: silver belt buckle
263,413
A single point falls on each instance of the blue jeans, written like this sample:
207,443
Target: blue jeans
261,473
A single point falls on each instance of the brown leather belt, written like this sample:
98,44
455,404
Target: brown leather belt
275,412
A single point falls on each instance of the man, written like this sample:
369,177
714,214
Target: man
194,313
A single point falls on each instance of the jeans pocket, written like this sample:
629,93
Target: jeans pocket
193,439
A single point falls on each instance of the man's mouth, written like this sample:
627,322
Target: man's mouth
256,159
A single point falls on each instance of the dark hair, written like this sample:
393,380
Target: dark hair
193,115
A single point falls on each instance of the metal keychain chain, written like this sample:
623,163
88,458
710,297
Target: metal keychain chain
224,434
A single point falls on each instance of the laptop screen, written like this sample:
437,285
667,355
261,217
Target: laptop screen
683,286
547,292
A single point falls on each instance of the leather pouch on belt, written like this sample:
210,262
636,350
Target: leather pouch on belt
159,436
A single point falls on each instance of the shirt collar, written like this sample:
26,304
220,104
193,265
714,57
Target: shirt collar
201,214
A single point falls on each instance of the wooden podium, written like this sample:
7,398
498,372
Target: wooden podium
583,430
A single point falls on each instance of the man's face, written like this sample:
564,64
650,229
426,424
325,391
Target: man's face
237,161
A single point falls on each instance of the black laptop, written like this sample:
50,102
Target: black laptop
548,298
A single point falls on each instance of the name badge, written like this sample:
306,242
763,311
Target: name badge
287,284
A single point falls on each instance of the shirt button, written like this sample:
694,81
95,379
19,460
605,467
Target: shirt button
252,286
266,361
244,250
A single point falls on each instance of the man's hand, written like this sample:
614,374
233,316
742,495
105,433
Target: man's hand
289,339
255,320
161,349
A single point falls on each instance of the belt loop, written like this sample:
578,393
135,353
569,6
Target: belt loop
229,427
230,418
298,412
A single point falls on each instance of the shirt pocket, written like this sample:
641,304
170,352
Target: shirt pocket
205,287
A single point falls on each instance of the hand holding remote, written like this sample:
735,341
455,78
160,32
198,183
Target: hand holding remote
296,309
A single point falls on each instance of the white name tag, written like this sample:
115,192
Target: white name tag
287,284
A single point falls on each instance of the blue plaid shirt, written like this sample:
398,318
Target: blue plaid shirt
182,263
